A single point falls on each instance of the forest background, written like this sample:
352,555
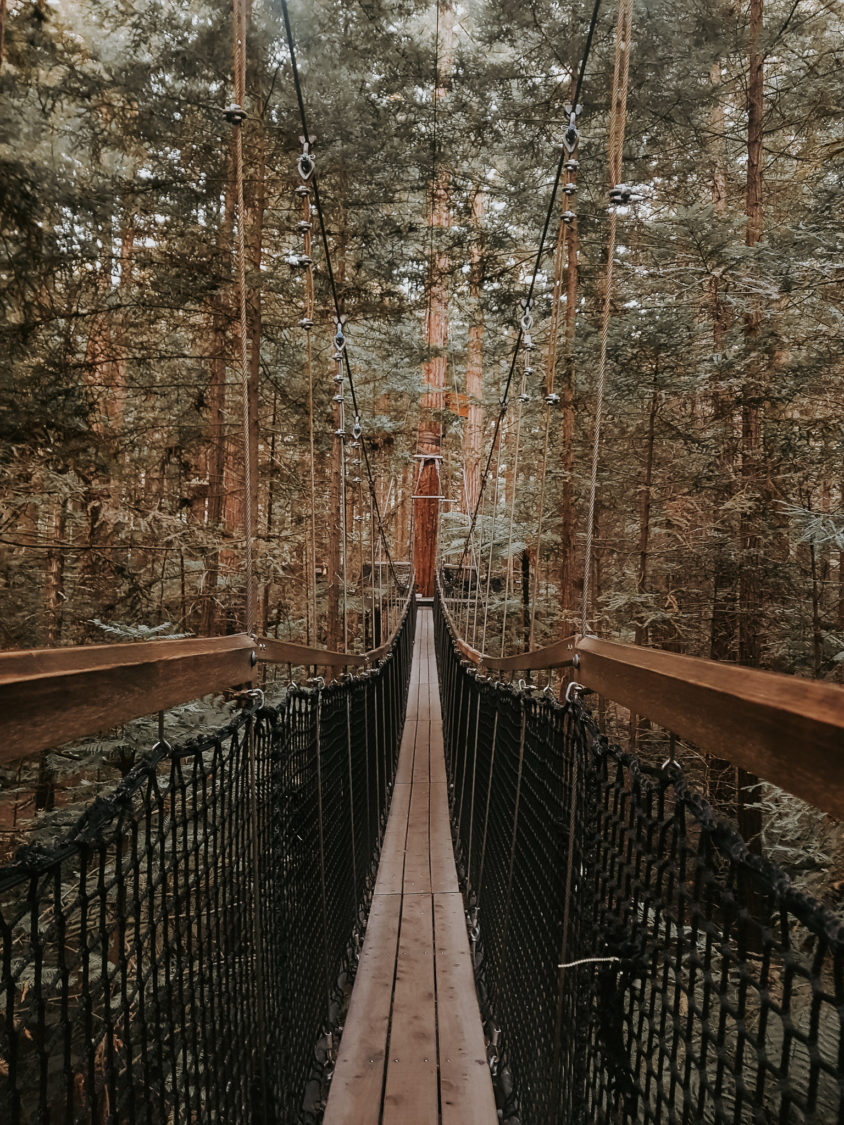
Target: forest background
719,528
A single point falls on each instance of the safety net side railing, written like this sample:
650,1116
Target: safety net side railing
635,961
182,954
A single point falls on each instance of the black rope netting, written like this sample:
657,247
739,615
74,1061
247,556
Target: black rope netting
721,994
182,955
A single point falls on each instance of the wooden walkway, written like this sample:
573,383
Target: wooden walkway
412,1051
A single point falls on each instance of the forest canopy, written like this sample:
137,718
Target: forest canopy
436,131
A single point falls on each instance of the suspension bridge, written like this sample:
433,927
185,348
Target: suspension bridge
418,888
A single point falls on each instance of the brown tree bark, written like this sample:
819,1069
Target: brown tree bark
429,436
216,445
750,594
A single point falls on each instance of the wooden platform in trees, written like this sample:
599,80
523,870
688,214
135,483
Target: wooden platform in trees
412,1051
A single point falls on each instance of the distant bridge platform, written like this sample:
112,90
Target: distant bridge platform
412,1050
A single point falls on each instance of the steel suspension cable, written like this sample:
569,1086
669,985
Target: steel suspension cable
236,116
333,285
538,261
618,116
522,399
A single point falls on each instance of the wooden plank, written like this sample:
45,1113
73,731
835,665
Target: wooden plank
437,752
417,865
411,1092
465,1083
786,730
421,755
443,871
287,652
405,767
93,688
355,1094
391,867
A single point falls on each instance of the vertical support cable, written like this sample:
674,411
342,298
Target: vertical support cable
327,958
618,111
236,114
351,792
257,893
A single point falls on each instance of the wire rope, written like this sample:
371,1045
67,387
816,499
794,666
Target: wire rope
618,114
333,287
537,262
522,400
236,115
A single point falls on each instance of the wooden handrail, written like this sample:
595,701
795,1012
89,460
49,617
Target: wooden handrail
560,654
51,696
783,729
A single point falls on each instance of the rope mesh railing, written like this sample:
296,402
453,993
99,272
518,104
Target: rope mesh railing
182,952
699,985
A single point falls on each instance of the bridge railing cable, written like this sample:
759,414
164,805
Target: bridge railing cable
181,953
675,976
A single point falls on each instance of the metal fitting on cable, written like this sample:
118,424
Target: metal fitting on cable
341,433
303,225
570,188
528,371
356,429
305,164
552,399
572,165
305,261
569,217
621,194
306,323
338,398
235,114
303,190
571,135
524,397
338,378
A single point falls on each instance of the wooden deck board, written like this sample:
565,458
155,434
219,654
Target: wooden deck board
411,1095
359,1079
412,1051
466,1090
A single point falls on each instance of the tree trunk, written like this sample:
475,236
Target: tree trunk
54,578
637,722
429,437
218,514
750,592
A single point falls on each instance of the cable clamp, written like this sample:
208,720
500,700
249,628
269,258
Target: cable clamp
527,319
572,136
306,323
570,188
356,429
235,114
524,396
303,190
552,399
339,336
305,163
622,194
569,217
